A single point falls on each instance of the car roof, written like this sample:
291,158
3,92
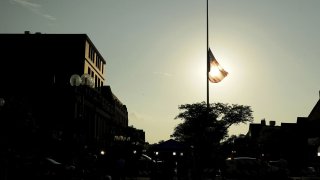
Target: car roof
240,158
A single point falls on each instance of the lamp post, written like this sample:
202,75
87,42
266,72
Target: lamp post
76,81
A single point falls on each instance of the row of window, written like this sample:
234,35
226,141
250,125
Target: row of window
95,58
99,63
97,81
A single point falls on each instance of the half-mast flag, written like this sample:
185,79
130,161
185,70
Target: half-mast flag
216,72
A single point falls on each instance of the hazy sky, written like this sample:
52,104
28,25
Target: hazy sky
156,52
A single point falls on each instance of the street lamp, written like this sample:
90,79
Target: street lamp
75,80
85,79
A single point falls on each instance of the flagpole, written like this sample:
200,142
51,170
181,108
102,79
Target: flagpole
208,65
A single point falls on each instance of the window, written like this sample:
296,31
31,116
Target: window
98,62
95,81
91,53
89,70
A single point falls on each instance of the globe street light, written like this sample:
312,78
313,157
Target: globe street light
85,79
75,80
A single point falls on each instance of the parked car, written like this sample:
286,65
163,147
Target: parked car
250,168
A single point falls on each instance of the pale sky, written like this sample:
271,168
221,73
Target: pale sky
156,52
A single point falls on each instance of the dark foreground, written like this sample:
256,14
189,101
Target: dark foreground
145,168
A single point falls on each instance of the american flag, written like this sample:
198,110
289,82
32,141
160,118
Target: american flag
216,72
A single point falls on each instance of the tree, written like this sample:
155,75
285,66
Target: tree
198,120
203,128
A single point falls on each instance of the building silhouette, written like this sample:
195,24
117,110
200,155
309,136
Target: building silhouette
46,113
297,143
173,159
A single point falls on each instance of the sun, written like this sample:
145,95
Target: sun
214,72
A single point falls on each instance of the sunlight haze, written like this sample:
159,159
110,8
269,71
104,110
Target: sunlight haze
155,52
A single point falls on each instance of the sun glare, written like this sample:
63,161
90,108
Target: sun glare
214,72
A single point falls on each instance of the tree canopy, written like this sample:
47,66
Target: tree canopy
211,123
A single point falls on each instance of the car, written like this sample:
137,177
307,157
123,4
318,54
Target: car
250,168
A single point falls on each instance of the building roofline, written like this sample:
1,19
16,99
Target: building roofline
67,34
314,109
103,60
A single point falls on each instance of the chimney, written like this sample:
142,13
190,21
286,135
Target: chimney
263,122
26,32
272,123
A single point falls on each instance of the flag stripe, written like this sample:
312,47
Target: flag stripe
216,72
